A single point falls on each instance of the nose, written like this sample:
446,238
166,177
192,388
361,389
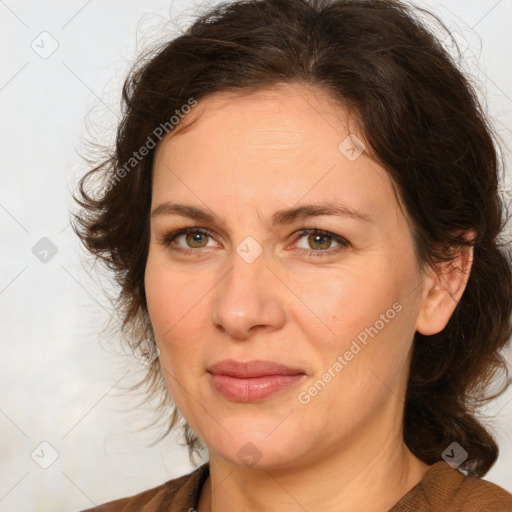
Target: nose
248,298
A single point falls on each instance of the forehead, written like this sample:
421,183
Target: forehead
281,98
274,145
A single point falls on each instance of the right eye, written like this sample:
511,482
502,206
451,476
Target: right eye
194,238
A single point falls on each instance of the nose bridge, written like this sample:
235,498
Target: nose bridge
244,298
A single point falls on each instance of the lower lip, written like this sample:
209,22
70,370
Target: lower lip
253,389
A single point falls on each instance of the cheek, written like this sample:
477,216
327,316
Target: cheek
175,311
365,326
160,296
174,304
362,365
340,305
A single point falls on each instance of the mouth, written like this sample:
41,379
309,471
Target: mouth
254,368
252,381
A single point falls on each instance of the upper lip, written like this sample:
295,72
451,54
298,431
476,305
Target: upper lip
254,368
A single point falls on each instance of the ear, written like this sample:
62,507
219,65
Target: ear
443,287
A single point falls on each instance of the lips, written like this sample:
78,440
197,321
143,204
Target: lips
254,368
252,381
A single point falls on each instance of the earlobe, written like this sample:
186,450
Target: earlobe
443,288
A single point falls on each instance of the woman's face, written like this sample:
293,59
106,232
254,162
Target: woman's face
339,306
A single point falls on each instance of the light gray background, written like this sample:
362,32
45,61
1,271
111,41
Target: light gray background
58,384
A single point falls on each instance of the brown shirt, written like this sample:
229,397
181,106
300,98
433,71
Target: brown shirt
442,489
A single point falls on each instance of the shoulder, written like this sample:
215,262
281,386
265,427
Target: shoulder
482,496
443,488
178,494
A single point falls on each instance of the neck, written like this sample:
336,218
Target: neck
371,477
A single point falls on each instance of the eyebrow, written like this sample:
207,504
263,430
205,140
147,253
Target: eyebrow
285,216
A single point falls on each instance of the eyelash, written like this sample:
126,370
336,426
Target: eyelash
343,243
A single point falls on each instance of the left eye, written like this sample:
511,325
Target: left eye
318,243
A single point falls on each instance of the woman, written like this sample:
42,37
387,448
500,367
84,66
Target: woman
302,213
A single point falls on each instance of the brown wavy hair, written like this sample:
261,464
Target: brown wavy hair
421,119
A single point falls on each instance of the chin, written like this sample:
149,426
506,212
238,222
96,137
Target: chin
257,451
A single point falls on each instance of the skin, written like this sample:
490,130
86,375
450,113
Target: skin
246,157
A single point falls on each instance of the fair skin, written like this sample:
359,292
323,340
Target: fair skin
247,157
